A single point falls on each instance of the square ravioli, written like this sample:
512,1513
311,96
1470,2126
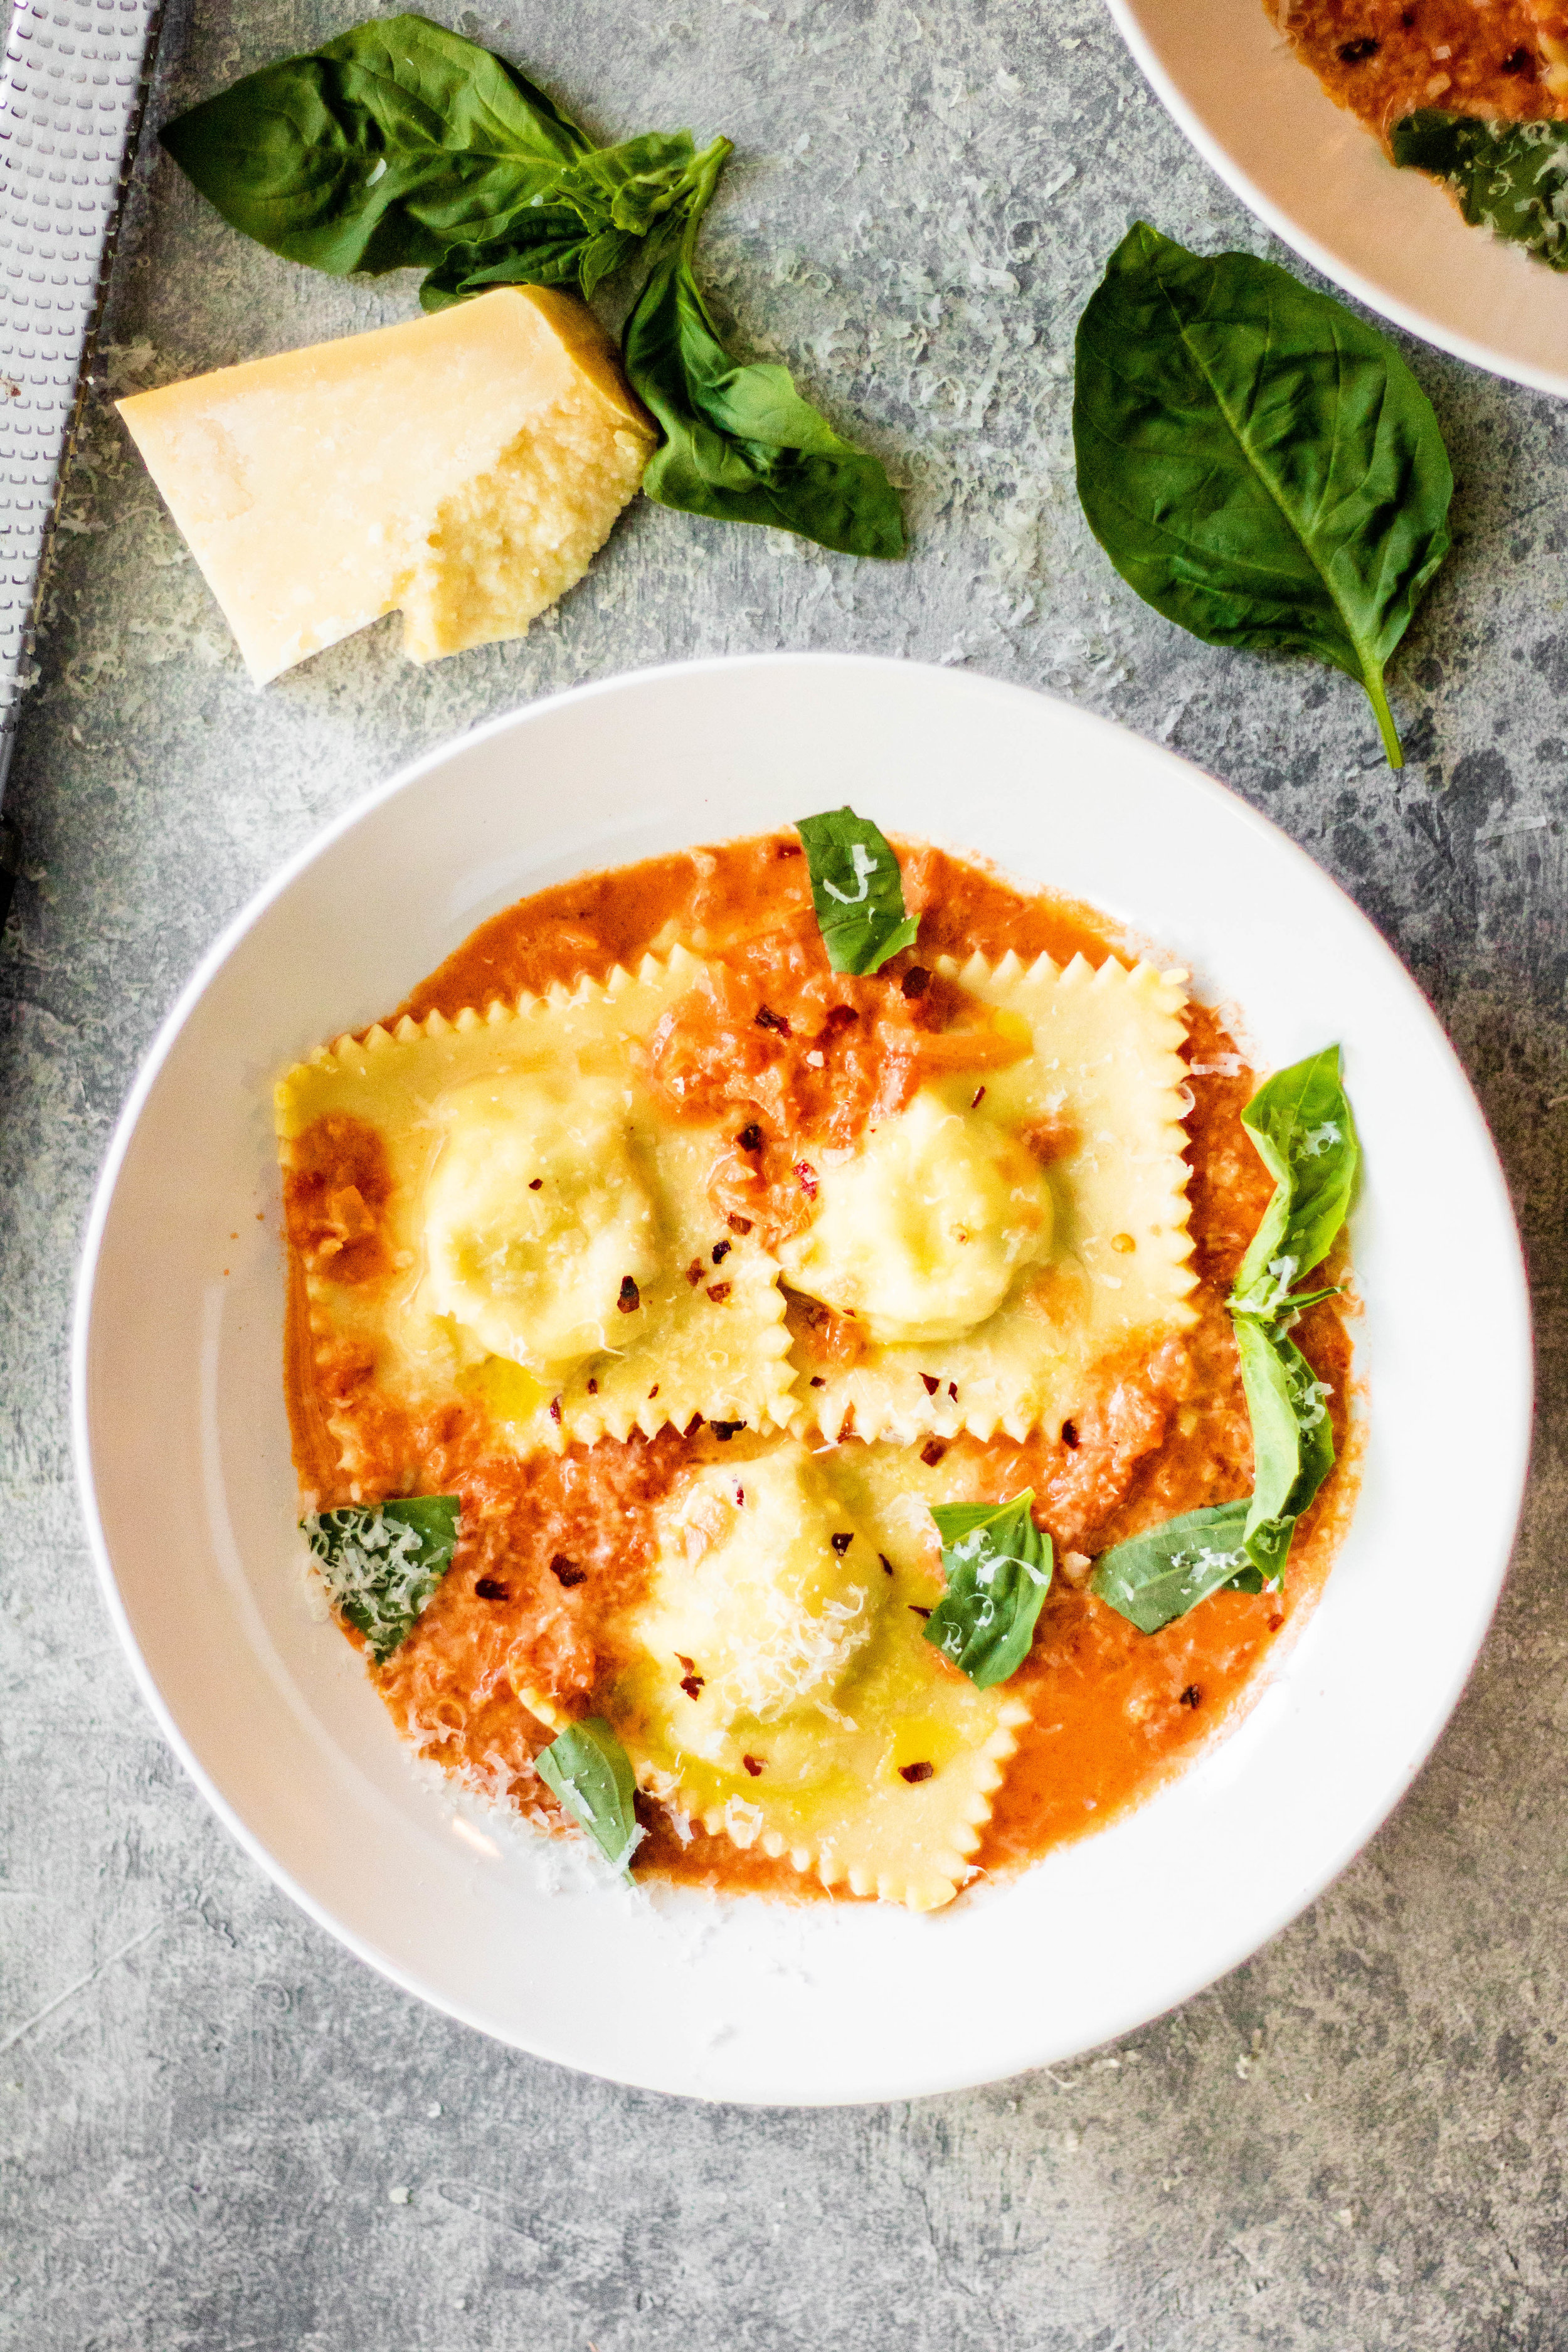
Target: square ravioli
1007,1232
778,1688
502,1210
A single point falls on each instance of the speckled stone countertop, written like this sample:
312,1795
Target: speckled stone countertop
217,2130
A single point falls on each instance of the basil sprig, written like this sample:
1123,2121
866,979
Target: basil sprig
401,145
590,1774
857,889
1301,1125
1259,464
381,1562
1509,177
998,1568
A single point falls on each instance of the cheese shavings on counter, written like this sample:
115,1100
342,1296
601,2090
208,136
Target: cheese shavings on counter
463,469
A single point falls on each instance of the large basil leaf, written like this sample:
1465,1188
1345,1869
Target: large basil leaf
591,1773
1300,1121
1509,177
1261,466
381,1562
740,444
1293,1441
857,889
998,1568
380,150
1156,1577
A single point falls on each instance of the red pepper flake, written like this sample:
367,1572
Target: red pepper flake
692,1685
722,1251
916,1610
740,1495
630,1298
1274,1623
537,1185
566,1572
953,1390
839,1016
841,1544
555,1411
740,1224
977,1099
719,1291
653,1392
886,1563
682,1660
807,1175
1070,1435
914,1773
725,1430
754,1764
818,1382
1517,61
931,1452
788,849
749,1140
695,1272
593,1388
916,981
489,1589
1191,1695
770,1019
931,1385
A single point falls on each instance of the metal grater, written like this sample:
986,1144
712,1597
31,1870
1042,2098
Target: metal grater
74,78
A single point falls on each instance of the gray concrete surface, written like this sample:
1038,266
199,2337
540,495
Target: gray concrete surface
219,2131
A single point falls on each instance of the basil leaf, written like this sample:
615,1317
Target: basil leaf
1261,466
1293,1441
381,1562
740,444
998,1568
1509,177
382,148
857,889
1156,1578
591,1773
1300,1122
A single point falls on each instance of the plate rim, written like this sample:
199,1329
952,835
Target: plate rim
1249,1940
1127,17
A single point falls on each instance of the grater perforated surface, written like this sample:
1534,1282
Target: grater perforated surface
70,95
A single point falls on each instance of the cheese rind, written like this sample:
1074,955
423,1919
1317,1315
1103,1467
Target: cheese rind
464,468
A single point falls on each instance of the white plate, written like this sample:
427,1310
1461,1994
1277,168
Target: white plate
1394,239
190,1500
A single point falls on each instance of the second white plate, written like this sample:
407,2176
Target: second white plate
1392,238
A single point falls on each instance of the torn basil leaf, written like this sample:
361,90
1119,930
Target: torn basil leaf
740,444
998,1568
381,1562
1293,1441
857,889
591,1773
1156,1578
1300,1122
1509,177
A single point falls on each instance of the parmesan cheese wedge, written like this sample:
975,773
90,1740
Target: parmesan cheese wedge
464,468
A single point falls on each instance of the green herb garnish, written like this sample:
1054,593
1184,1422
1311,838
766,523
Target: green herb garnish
857,889
591,1773
381,1562
401,145
1509,177
1300,1122
998,1568
1261,466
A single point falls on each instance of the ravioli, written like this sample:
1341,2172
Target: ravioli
779,1688
1098,1101
522,1222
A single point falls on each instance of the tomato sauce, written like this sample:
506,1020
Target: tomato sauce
554,1551
1385,59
